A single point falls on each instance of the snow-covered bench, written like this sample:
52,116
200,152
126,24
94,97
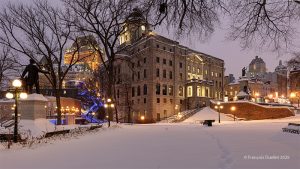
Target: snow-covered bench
292,128
95,127
208,122
50,134
205,122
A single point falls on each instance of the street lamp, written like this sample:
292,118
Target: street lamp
93,115
294,95
233,108
17,94
108,105
219,107
256,96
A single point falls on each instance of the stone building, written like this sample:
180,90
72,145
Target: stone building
257,67
256,87
84,49
157,77
266,83
294,79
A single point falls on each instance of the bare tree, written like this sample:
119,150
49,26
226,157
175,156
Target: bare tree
8,65
104,20
263,22
269,23
186,16
40,31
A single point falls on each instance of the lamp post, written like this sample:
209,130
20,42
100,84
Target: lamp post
142,117
294,95
256,97
109,106
233,108
17,84
219,107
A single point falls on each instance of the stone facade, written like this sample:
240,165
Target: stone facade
294,79
255,86
274,84
157,77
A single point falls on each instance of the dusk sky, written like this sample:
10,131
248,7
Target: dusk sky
230,51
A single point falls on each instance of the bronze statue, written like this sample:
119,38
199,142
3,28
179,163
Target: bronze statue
244,72
32,78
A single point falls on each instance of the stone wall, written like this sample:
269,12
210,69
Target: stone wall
252,111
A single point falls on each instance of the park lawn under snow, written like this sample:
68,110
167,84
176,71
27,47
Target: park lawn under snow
240,145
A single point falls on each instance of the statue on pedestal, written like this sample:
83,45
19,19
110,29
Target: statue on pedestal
32,78
244,72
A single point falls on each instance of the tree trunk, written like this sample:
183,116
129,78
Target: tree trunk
110,89
58,104
116,110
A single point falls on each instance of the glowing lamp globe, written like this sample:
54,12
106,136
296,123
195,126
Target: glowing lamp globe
9,95
17,83
24,96
293,95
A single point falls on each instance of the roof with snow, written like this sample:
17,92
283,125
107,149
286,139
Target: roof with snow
37,97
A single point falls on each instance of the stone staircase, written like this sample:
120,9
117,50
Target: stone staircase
181,116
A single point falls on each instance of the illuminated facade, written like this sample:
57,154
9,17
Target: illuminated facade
85,51
157,77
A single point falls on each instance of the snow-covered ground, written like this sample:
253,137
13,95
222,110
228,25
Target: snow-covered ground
234,145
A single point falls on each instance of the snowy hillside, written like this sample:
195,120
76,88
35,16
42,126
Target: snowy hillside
207,114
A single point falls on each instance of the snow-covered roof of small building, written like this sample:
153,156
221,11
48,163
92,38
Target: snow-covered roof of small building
35,96
6,100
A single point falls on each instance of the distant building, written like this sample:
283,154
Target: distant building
84,49
229,79
260,81
257,67
157,77
294,78
256,87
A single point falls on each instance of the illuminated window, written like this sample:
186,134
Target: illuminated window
180,92
190,91
198,91
143,27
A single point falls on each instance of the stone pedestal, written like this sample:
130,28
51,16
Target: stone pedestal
33,107
244,83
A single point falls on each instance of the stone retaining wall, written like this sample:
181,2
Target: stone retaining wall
253,111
